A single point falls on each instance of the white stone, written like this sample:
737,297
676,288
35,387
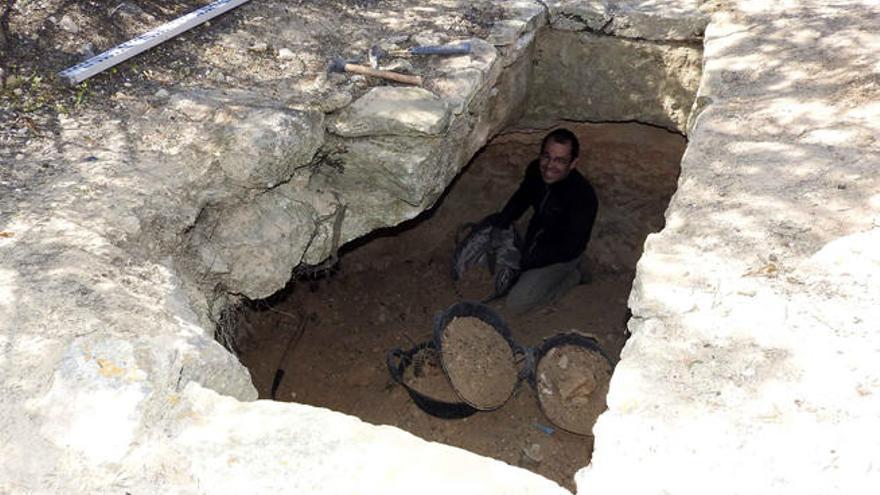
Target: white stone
68,24
663,20
388,110
286,54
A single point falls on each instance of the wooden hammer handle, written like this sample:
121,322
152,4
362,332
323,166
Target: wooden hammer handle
384,74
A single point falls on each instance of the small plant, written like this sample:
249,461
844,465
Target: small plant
227,324
35,81
82,91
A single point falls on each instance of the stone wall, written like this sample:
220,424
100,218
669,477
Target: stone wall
752,363
583,76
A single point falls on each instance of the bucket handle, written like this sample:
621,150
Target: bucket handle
393,359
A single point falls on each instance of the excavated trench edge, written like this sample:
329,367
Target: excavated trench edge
327,265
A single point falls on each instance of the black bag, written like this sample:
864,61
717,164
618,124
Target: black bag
489,246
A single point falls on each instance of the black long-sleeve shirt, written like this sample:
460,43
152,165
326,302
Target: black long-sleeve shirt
563,219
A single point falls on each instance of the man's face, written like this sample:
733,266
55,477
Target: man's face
555,162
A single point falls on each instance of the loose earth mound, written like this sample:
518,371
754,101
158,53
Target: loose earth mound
572,385
479,361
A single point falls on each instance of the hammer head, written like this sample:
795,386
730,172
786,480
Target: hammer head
376,52
336,65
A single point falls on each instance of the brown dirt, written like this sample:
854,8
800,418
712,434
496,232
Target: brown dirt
479,362
476,284
572,384
386,290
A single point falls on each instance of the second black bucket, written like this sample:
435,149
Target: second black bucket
488,387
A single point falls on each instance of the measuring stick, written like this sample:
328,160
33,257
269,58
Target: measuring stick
132,47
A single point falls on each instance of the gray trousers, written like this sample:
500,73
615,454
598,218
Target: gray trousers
543,285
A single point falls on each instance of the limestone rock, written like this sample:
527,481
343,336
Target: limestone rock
659,22
255,145
458,88
576,15
68,24
404,168
506,32
246,243
388,110
637,19
755,308
213,442
520,18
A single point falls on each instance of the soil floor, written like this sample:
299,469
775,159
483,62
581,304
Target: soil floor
331,334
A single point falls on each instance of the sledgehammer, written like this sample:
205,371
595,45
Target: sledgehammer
339,65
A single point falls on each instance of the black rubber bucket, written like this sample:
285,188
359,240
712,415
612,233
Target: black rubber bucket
592,366
398,361
573,395
482,312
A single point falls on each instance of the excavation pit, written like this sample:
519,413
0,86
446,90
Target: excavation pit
333,331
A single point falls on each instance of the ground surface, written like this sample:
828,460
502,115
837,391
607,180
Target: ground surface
387,290
40,38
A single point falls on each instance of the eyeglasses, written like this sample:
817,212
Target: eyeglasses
562,161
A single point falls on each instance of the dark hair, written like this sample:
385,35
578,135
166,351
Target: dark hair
563,136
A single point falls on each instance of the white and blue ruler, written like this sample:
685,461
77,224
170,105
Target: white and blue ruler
134,46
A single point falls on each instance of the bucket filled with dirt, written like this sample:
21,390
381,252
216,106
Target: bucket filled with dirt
473,365
420,372
571,379
478,355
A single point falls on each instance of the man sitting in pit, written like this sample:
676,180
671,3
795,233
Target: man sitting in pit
565,207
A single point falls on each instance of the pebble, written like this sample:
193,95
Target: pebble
260,47
533,452
400,65
88,50
332,102
162,93
286,54
13,81
397,39
427,38
69,25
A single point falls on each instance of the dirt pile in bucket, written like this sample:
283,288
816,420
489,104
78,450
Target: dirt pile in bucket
479,361
572,385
